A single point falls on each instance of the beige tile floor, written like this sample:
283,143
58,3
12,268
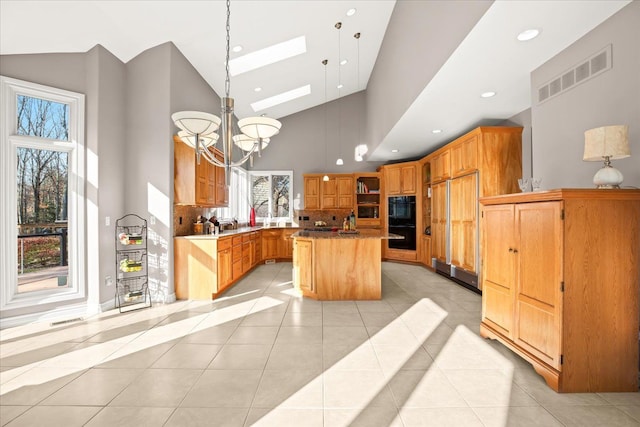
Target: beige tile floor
260,356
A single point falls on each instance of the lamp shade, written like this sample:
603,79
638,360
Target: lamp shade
606,141
246,143
196,122
259,127
205,140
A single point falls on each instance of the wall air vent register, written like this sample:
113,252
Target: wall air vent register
591,67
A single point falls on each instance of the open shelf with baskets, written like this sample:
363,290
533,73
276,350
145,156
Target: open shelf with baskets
132,285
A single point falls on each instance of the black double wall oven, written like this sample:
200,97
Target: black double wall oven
402,221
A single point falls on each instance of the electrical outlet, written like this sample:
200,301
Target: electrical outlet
108,280
152,220
107,221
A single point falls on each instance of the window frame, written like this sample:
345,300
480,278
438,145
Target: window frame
9,142
238,206
270,173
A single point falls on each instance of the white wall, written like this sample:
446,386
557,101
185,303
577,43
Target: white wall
300,146
403,69
610,98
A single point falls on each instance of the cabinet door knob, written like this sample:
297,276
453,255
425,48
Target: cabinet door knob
515,251
510,249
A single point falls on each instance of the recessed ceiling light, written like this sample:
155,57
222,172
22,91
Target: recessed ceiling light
340,86
237,48
528,34
436,131
344,61
281,98
268,55
488,94
351,12
258,89
395,150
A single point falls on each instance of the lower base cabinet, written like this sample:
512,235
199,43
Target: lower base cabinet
205,267
560,284
426,250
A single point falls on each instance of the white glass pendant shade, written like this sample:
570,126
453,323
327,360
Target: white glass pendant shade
246,143
325,178
196,122
259,127
339,162
205,140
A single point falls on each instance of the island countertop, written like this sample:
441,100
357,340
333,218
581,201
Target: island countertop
359,234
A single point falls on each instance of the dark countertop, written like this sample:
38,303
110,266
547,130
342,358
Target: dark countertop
228,233
360,234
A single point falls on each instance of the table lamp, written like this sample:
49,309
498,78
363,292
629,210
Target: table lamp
605,144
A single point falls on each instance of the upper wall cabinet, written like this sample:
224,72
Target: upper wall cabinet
464,155
441,166
336,193
312,191
193,184
400,178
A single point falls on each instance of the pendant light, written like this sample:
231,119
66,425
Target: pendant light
361,149
339,162
198,128
324,62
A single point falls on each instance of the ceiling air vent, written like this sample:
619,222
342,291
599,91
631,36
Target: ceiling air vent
588,68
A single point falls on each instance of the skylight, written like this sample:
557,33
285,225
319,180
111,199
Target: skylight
281,98
268,55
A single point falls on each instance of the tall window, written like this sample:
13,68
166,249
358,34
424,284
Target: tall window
41,250
238,197
271,194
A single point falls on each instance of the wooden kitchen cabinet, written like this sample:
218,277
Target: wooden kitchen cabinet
439,221
312,191
203,267
329,194
336,193
463,209
225,263
464,156
345,191
270,243
197,184
441,165
426,250
236,257
277,243
285,245
400,178
221,188
257,248
552,295
303,267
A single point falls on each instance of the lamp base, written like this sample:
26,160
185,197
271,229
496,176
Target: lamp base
608,178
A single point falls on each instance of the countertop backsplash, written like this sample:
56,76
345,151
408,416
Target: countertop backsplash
333,217
184,217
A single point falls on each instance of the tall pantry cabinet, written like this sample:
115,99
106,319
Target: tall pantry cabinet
560,284
486,161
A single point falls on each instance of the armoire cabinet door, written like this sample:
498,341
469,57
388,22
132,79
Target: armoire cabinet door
538,295
499,271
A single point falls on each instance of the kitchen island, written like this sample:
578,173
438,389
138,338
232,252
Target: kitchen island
331,266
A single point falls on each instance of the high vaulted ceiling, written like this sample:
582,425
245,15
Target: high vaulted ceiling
489,58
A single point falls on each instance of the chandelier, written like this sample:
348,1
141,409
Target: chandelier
198,129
